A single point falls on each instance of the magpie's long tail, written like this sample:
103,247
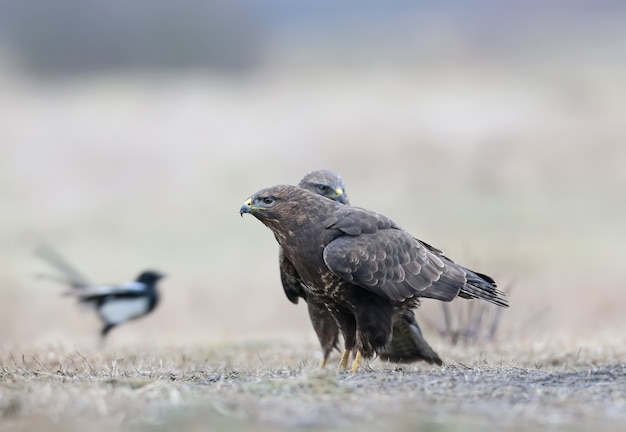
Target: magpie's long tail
72,276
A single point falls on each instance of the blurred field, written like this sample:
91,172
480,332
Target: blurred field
124,174
507,152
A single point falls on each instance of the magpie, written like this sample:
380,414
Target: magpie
114,304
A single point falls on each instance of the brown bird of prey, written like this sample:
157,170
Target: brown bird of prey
407,342
362,266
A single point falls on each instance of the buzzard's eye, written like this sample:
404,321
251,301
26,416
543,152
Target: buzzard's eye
267,200
323,189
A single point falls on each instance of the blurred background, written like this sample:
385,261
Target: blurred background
131,133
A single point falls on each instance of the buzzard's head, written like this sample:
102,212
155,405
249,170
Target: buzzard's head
327,184
272,203
293,213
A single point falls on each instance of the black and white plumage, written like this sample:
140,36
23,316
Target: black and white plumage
364,268
114,304
407,343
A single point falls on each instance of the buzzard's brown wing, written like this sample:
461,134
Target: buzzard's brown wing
378,255
394,265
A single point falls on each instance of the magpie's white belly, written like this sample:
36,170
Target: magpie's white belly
119,310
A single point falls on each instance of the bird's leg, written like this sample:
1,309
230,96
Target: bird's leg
347,327
344,359
327,353
104,332
357,361
323,363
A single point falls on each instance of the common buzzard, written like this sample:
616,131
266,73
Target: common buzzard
407,342
363,267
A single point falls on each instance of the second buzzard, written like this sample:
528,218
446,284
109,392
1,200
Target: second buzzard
407,342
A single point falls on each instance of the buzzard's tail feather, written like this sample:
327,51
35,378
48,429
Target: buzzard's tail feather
484,277
441,292
448,285
481,286
407,343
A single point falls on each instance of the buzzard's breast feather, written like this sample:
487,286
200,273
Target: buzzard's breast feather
390,263
292,283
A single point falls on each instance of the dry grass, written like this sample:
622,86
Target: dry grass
469,322
276,386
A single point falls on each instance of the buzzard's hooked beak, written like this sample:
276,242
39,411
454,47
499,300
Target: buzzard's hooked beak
341,197
246,207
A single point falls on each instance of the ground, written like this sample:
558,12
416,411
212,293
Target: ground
275,386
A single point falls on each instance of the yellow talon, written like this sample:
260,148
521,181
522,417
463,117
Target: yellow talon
323,363
344,359
357,361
